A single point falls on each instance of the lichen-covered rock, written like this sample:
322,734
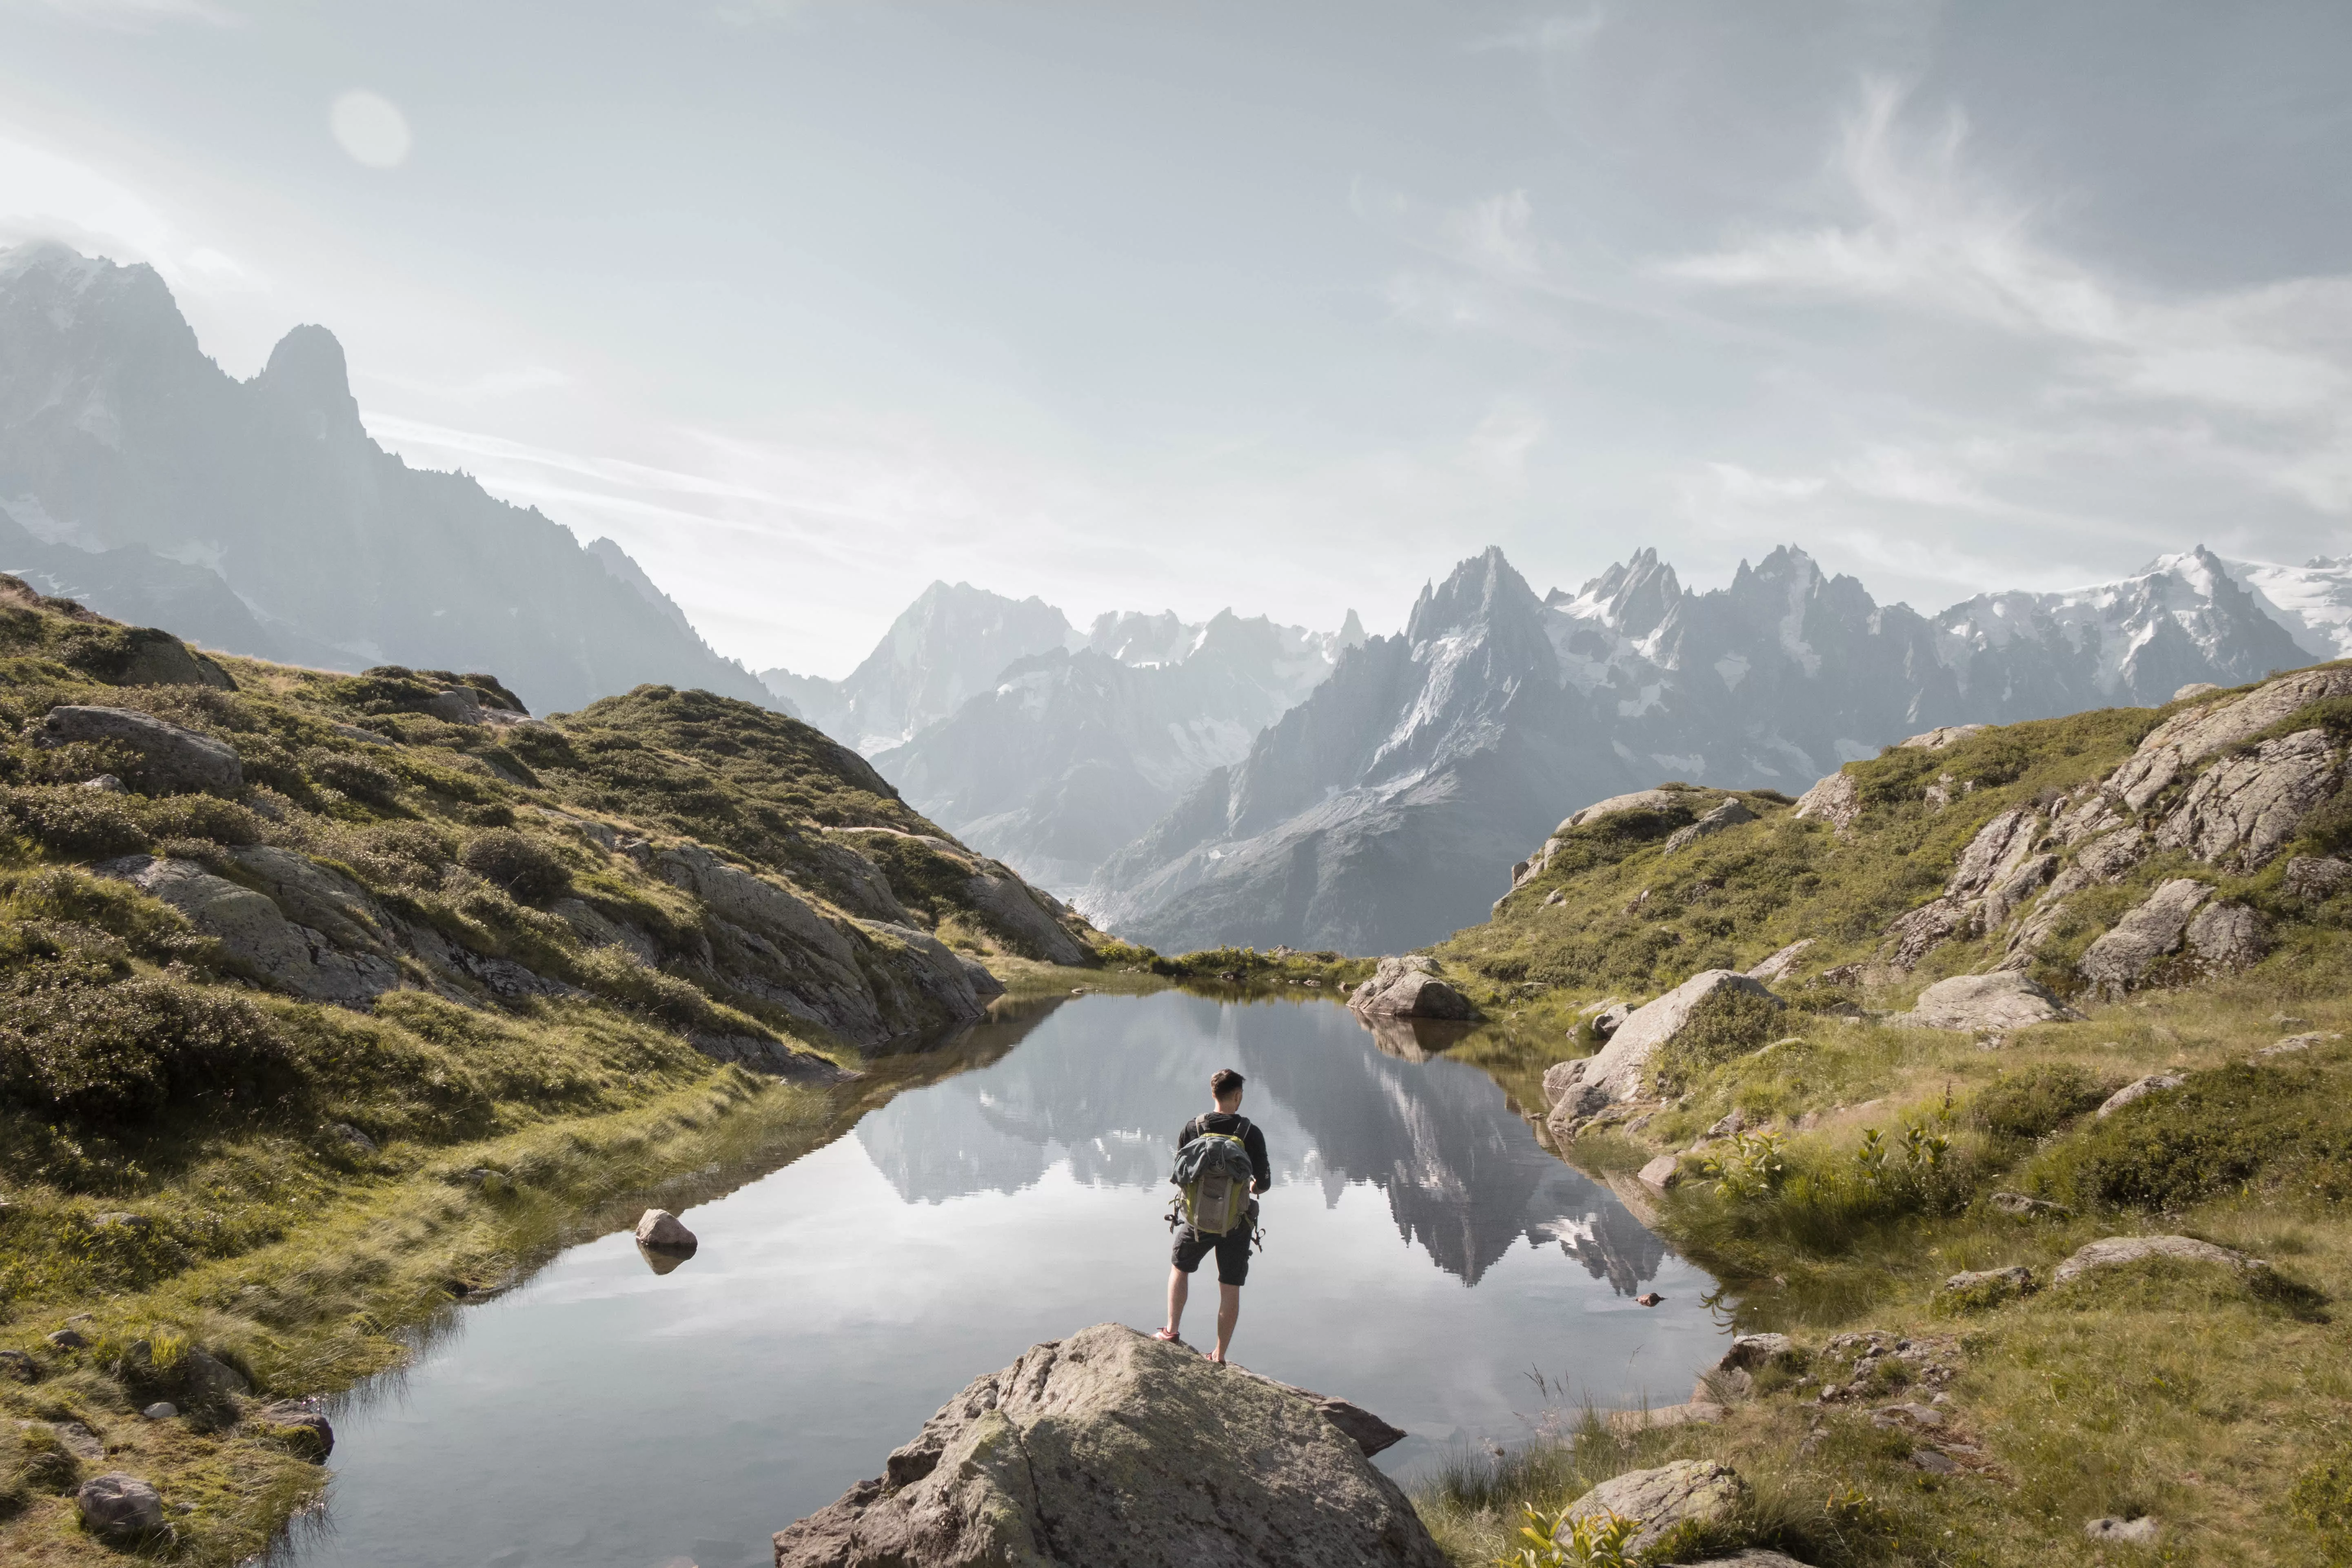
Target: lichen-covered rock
1988,1284
1998,1003
1110,1448
2243,809
2189,737
1779,965
1410,988
1661,1498
2226,937
1836,800
177,760
120,1508
1730,813
2115,1250
2123,957
1615,1071
2316,877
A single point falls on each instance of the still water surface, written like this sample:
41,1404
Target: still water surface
1423,1256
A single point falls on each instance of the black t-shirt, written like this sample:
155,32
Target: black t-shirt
1230,1122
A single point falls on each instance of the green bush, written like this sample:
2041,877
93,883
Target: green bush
70,820
127,1052
2037,1101
354,777
2236,1127
525,867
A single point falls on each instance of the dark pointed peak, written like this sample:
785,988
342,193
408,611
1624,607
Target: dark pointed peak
306,372
1351,631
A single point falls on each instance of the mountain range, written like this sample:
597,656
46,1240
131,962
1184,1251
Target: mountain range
1048,747
1384,811
259,518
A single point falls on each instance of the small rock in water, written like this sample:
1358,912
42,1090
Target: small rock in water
2140,1531
1077,990
659,1229
162,1410
1650,1299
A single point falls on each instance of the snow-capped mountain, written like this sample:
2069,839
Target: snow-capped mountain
1072,753
1384,811
260,516
2313,601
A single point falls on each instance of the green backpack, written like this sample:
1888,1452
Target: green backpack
1212,1177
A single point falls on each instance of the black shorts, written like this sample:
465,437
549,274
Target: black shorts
1233,1249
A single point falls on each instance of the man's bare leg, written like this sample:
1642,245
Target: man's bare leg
1229,1312
1179,1287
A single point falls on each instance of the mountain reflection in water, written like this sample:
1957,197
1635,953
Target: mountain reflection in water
1462,1176
602,1414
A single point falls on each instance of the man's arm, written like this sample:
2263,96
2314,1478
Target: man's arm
1186,1134
1259,1163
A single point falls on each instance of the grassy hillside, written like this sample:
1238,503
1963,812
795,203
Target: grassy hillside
198,1154
2214,1399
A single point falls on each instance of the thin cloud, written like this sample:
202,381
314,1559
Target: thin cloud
143,15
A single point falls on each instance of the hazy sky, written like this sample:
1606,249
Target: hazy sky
1283,307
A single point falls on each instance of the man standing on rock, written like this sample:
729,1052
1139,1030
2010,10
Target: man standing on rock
1232,1247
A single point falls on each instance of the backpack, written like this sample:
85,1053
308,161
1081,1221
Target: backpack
1212,1177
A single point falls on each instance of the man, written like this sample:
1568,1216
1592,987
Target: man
1233,1249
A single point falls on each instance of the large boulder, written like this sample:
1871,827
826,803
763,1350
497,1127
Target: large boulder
1110,1447
2123,957
177,760
1615,1071
1937,739
2139,1088
254,933
1640,800
1985,1003
1008,908
2316,877
1410,988
1659,1499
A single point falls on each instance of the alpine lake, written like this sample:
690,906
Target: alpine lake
1423,1256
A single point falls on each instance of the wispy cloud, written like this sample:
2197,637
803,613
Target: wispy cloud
140,15
1564,34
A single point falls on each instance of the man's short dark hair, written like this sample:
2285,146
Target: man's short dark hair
1226,1084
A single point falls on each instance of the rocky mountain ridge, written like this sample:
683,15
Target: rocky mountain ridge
260,518
1379,815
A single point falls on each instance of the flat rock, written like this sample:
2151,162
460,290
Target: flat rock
1614,1073
2295,1043
2111,1251
1999,1003
2140,1531
1696,1413
1663,1498
2141,1089
2244,809
2015,1280
2019,1205
1936,739
660,1229
1660,1174
1111,1447
2192,736
119,1507
178,760
1640,800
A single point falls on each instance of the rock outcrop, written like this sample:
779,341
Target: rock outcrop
1730,813
2123,957
1110,1447
1996,873
175,759
255,934
2243,809
1615,1072
2141,1089
1836,800
1779,965
1410,988
2190,737
1985,1003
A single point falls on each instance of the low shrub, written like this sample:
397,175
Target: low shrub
69,820
129,1051
1731,1023
2321,1502
2038,1101
525,867
2236,1127
354,777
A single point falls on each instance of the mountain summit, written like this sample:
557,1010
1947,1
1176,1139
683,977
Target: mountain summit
1380,814
260,516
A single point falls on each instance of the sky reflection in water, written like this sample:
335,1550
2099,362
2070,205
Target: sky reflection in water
1423,1257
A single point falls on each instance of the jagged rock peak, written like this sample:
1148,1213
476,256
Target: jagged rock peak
1484,591
1631,598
